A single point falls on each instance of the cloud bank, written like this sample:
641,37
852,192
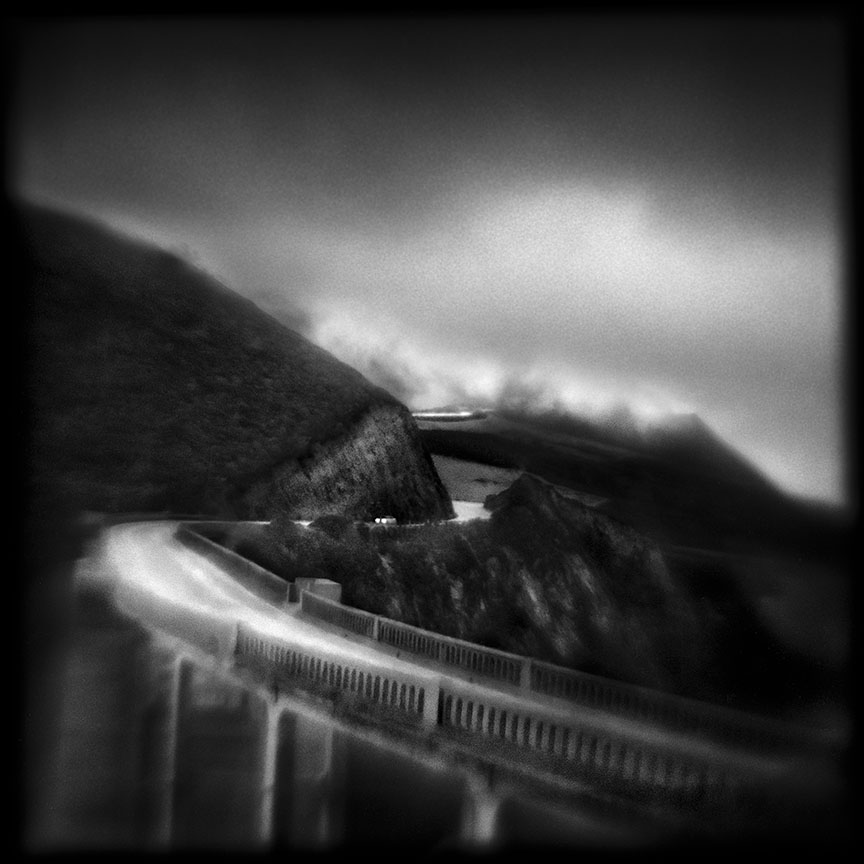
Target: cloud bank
600,209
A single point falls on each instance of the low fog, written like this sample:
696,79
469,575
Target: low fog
587,211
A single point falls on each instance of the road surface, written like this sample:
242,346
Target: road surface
152,574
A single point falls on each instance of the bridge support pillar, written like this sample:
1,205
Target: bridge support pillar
165,820
480,814
315,799
268,764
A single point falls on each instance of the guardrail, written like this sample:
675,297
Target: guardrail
689,716
411,697
567,744
355,620
467,656
678,713
653,706
261,582
548,737
473,658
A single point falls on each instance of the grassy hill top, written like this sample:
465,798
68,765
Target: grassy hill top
153,387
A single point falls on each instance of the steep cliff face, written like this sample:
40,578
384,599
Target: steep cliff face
376,467
152,387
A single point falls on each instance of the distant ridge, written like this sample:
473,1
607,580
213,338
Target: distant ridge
678,482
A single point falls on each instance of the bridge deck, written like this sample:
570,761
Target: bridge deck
151,569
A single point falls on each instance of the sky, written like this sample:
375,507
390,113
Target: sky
593,210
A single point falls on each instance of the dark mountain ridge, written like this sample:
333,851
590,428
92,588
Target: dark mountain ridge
679,483
150,386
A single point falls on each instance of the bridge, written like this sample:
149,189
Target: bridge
504,739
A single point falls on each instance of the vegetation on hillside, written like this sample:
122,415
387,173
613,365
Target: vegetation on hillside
548,577
680,485
152,387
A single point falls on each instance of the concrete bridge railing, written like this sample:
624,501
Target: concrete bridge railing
674,712
457,653
689,716
548,737
475,659
412,697
565,743
346,617
260,581
545,679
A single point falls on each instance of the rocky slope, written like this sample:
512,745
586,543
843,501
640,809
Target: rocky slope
549,577
377,467
152,387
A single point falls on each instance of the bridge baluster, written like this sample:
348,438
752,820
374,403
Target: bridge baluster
661,771
601,755
514,737
619,759
566,738
588,750
616,758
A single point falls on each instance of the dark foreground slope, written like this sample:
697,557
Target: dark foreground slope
151,387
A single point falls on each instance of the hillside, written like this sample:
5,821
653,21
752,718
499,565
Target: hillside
679,484
153,388
552,578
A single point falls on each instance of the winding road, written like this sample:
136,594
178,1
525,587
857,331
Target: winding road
152,575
